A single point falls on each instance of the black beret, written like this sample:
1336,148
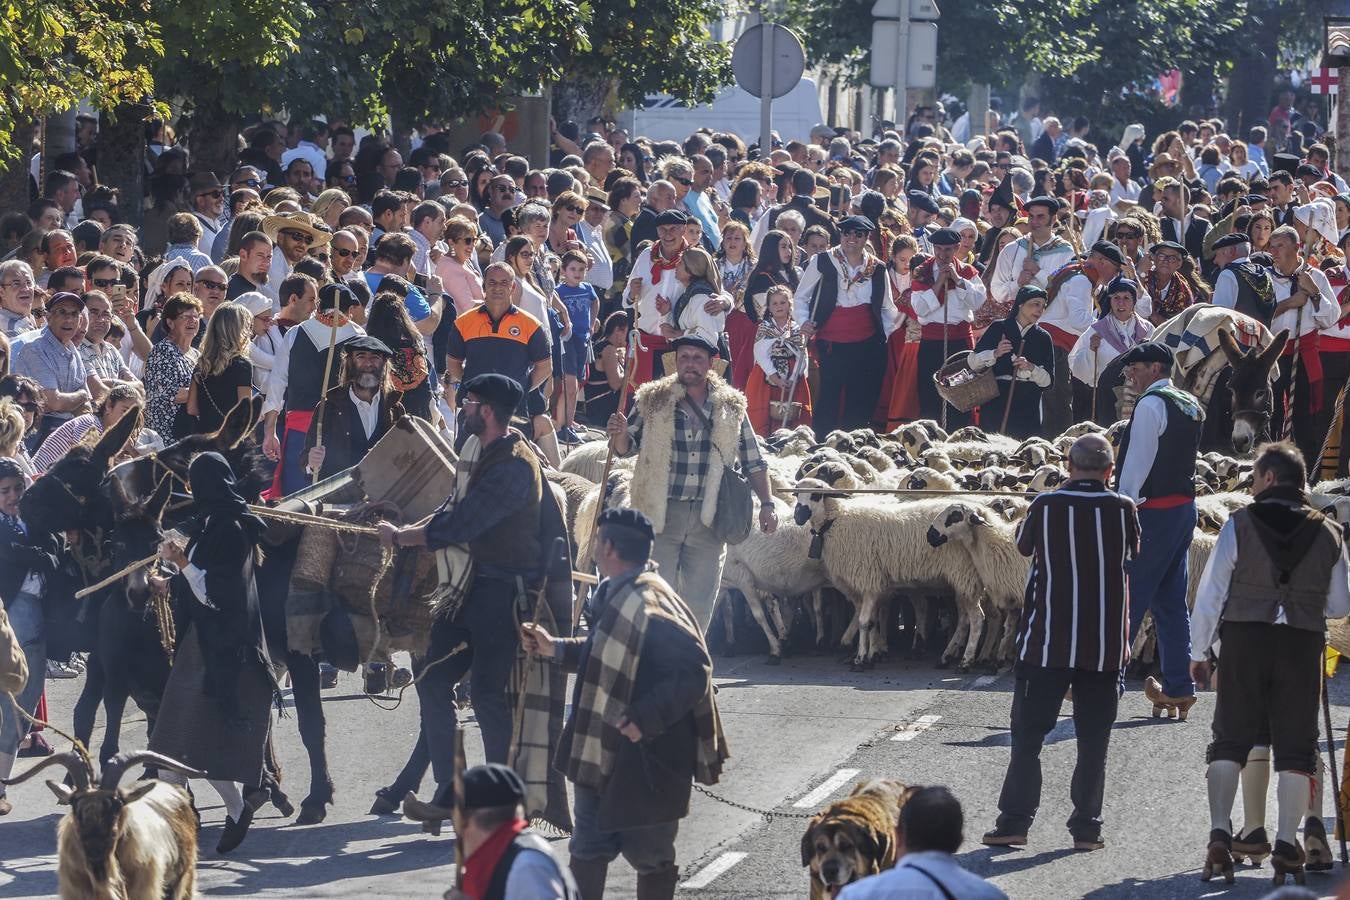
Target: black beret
631,519
1029,292
1231,239
1049,203
366,343
857,223
1253,199
671,217
492,785
1285,162
494,388
1308,169
1110,251
1148,352
920,200
1119,284
336,296
695,340
944,237
1168,245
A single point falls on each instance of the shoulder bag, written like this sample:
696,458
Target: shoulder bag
735,506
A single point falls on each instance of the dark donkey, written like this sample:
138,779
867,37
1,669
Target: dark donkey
1241,404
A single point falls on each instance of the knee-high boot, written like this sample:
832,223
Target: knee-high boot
658,885
590,875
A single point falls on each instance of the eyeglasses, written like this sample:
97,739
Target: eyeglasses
684,181
30,407
579,210
1166,257
853,232
503,189
343,253
527,254
212,285
456,182
1130,235
347,179
321,257
104,282
292,235
249,182
214,195
465,240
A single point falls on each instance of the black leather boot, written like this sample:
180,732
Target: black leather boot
658,885
590,875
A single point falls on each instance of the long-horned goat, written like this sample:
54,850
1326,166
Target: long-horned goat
136,843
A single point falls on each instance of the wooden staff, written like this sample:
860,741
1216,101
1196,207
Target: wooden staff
1012,383
609,453
1331,759
457,802
115,577
323,391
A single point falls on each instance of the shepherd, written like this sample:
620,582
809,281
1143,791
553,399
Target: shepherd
945,294
1023,359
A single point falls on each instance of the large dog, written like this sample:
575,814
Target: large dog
854,837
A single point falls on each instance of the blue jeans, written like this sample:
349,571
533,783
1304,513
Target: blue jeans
293,475
25,617
647,850
1158,582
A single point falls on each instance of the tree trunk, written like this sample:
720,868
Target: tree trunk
213,143
1250,84
577,100
121,157
15,192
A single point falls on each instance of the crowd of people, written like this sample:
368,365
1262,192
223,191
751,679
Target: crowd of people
688,299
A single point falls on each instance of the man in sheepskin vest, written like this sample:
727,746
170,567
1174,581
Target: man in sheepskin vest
688,427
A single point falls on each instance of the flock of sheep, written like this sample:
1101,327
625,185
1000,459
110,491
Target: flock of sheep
944,534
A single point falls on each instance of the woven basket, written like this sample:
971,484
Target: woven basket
1338,635
968,394
314,558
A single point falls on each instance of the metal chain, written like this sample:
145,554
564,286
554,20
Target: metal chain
767,813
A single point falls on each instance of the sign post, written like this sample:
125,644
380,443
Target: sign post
904,49
768,62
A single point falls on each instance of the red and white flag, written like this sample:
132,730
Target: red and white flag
1325,81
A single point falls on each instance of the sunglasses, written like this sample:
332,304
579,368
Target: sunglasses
250,182
212,285
347,179
579,210
214,195
685,181
30,407
465,240
293,235
104,282
343,253
503,189
456,182
853,232
1130,235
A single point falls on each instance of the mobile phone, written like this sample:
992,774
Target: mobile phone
420,280
118,293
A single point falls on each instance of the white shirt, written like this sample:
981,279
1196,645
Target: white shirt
280,271
1226,287
311,152
964,297
1003,286
319,334
368,413
533,302
1074,308
1212,594
859,294
644,304
210,231
1128,191
695,320
1087,364
263,354
1094,226
601,273
1148,424
1321,311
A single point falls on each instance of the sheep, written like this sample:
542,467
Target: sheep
616,495
926,479
919,436
1046,478
1116,433
992,560
1079,429
574,488
137,843
870,549
937,458
588,461
1336,486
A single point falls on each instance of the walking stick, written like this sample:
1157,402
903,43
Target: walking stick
1012,383
609,453
1287,426
457,806
946,315
323,396
1331,759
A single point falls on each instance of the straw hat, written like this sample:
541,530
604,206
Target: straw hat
297,221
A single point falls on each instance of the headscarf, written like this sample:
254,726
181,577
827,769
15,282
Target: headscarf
214,494
154,284
1024,293
1320,216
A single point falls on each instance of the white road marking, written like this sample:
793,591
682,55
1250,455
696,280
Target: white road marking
985,680
826,788
712,870
913,729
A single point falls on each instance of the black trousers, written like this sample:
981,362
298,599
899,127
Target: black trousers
1303,430
1269,683
850,382
930,401
1037,698
436,707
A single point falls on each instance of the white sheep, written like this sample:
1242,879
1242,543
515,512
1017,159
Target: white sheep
588,461
928,479
137,843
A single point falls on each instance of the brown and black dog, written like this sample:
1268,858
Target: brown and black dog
854,837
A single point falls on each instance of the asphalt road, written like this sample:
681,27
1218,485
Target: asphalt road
800,733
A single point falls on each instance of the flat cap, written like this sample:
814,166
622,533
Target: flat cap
364,343
857,223
492,785
671,217
945,237
1118,285
1231,239
920,200
1110,251
1148,352
1049,203
494,388
1168,245
695,340
629,518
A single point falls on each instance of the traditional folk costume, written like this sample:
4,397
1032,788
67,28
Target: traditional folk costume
351,426
779,350
296,386
1051,256
1334,348
687,313
1110,398
899,401
1277,573
656,273
944,315
1301,384
853,313
1019,393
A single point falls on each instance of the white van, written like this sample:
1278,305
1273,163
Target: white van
666,119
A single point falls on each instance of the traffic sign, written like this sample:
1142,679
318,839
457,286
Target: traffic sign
920,56
919,10
786,62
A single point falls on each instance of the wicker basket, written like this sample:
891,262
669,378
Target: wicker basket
314,559
1338,635
967,394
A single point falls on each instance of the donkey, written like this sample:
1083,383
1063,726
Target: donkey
1240,407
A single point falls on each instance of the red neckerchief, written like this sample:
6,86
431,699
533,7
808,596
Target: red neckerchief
480,866
327,318
660,265
1178,298
925,277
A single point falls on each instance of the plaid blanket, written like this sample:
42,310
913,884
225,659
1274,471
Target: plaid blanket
1194,338
607,685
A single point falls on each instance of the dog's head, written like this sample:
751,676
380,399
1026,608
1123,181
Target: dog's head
842,845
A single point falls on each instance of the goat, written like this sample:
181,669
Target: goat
114,843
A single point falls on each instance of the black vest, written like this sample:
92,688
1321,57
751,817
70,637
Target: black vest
305,372
1249,301
827,294
526,840
1173,471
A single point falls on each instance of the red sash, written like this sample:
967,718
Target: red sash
960,333
482,863
649,347
1326,344
1167,501
1310,358
296,420
1060,338
848,325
